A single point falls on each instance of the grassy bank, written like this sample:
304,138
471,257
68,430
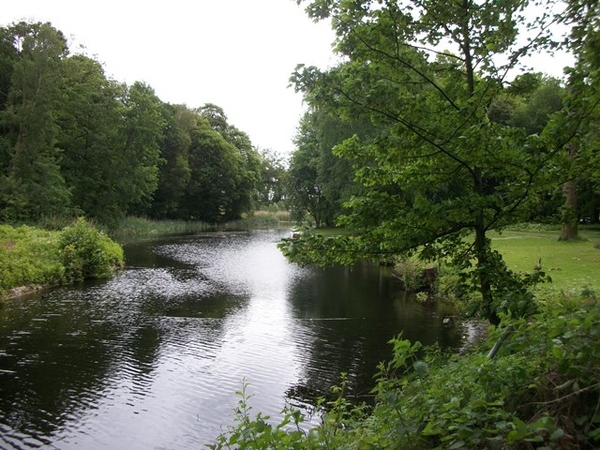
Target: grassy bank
32,257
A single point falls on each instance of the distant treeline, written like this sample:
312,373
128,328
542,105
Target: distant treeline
74,142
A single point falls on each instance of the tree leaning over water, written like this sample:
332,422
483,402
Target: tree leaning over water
440,174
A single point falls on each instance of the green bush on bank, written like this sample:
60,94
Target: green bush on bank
88,253
541,390
32,256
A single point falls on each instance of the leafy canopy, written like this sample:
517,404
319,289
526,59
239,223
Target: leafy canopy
438,174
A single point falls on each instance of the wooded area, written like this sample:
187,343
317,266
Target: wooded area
430,133
74,142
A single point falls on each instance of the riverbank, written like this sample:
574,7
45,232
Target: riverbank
32,259
539,390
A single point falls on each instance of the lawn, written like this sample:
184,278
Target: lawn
573,266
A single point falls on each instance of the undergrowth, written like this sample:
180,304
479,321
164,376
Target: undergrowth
31,256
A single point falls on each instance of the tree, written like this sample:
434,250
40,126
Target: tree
248,166
32,185
141,132
320,182
271,189
213,176
110,135
576,129
529,102
439,175
175,173
305,192
88,137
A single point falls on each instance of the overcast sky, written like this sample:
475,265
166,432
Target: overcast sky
237,54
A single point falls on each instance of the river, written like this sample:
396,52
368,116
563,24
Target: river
152,358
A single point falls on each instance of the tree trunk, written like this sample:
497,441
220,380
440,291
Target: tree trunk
570,219
485,287
570,230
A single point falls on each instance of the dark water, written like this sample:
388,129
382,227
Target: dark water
152,358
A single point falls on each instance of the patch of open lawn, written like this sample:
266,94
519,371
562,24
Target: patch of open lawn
573,266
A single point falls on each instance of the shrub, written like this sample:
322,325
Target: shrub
88,252
410,272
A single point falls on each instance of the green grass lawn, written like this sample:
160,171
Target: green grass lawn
573,266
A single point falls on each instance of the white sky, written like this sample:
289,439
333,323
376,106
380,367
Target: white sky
237,54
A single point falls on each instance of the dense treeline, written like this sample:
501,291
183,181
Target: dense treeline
74,142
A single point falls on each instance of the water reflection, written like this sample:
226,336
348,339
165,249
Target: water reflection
153,357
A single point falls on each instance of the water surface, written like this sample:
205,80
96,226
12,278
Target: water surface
152,358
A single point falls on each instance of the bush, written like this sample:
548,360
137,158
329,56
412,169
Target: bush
88,252
410,272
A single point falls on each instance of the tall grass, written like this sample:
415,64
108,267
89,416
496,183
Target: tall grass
261,220
139,228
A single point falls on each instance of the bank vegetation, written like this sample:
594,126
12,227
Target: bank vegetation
34,258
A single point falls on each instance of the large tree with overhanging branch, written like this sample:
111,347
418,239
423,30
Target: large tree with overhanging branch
439,174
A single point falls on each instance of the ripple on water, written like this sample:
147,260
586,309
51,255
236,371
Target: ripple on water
153,357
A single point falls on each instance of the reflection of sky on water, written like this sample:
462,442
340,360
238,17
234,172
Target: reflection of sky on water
153,357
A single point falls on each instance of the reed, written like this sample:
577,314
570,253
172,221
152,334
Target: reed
140,228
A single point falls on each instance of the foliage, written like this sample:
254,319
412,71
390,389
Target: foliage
88,253
31,184
274,177
411,273
29,256
540,390
32,256
254,222
438,169
575,128
139,228
74,142
319,182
